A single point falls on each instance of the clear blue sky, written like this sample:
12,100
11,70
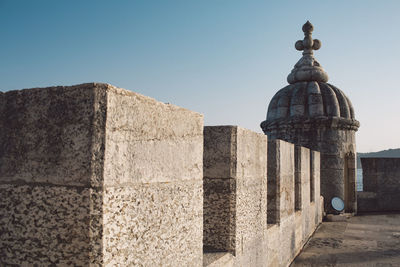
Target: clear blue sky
225,59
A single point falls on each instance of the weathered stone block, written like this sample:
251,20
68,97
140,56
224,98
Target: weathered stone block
51,135
251,222
274,245
288,235
219,151
142,223
302,177
218,259
149,141
315,172
381,181
280,180
251,161
219,212
54,225
287,238
94,174
235,204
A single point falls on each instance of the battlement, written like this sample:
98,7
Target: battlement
94,174
261,198
381,181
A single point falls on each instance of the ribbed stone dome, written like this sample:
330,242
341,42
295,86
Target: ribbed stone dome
309,98
304,100
312,113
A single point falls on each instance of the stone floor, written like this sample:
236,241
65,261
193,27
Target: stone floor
363,240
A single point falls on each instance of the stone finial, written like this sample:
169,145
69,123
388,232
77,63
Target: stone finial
307,68
308,44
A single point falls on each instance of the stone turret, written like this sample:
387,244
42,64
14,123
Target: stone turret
313,113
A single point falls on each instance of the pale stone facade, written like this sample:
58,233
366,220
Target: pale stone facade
248,181
96,175
235,194
315,114
292,227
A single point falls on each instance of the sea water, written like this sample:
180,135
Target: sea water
359,180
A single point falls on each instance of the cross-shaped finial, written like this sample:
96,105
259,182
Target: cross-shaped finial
307,69
308,44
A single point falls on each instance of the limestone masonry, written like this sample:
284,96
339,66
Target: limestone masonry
381,181
315,114
95,175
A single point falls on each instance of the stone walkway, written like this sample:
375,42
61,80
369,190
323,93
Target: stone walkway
364,240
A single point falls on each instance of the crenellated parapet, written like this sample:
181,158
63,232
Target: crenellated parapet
97,175
261,198
381,185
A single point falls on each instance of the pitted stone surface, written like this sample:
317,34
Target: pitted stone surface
148,141
157,224
129,112
235,207
289,229
219,152
281,181
80,166
235,204
51,135
53,225
219,206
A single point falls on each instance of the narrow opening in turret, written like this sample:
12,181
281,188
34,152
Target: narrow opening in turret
273,185
312,180
297,178
350,182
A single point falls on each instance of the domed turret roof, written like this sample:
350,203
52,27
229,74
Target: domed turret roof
311,100
309,97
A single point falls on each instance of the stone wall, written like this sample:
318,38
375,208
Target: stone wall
292,168
235,180
237,231
381,184
51,154
336,144
93,174
97,175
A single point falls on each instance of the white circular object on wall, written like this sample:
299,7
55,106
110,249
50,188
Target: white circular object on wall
337,203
